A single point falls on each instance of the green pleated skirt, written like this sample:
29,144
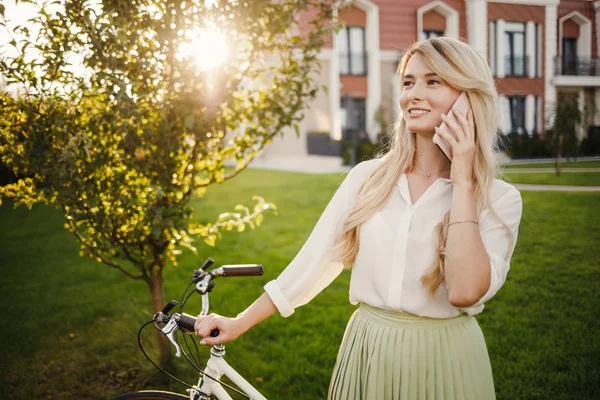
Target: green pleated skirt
389,355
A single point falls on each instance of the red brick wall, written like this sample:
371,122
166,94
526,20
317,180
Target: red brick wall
586,8
570,29
434,21
305,27
353,16
355,85
398,21
515,85
516,13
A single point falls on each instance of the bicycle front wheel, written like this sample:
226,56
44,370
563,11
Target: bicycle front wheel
151,395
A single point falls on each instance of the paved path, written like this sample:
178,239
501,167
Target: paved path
556,188
547,170
305,164
545,160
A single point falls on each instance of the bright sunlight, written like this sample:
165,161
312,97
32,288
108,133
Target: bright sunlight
209,47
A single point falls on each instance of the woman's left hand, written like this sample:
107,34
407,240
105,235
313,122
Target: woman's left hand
463,145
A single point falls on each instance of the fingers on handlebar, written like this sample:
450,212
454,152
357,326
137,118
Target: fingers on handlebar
208,328
211,341
201,322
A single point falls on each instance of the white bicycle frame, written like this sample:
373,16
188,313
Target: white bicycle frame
216,366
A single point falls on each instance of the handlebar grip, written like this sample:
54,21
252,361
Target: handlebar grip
214,333
243,270
169,306
186,323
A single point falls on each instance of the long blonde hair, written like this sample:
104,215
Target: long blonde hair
463,68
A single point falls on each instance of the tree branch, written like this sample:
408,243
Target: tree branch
98,255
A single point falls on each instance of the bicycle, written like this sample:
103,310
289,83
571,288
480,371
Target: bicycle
209,384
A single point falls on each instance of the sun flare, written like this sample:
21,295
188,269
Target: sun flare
209,47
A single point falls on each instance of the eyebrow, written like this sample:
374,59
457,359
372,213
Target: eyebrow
426,75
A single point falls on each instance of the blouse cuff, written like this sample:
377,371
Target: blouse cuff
274,292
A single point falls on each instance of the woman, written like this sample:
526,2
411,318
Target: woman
428,241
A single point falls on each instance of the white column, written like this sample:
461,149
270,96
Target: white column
504,114
597,10
477,30
334,90
584,43
452,24
539,54
530,51
374,72
529,114
395,82
549,88
581,104
500,55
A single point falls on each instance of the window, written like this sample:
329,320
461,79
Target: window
514,43
353,114
493,47
352,54
431,34
569,56
517,114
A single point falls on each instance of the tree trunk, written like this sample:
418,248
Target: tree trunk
158,303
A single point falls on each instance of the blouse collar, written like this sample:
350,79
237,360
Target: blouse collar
437,185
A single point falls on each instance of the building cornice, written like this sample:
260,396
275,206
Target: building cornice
528,2
577,81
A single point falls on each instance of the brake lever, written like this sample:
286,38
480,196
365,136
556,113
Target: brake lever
169,331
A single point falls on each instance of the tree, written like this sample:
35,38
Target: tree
567,118
118,127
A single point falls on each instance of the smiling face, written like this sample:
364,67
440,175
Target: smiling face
424,97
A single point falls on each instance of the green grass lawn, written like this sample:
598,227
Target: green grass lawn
72,328
564,164
565,178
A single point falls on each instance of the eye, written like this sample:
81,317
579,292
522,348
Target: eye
406,83
433,81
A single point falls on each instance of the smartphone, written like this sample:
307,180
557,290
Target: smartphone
461,104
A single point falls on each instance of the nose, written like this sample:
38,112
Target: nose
415,94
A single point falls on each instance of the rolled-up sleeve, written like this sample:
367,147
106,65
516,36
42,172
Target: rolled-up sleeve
313,268
498,243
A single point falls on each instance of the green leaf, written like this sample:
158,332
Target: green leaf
210,240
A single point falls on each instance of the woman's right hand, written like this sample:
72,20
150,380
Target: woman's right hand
229,329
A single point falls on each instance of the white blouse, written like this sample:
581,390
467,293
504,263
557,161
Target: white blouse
397,247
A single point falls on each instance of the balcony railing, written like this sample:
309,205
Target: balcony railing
579,66
353,63
516,66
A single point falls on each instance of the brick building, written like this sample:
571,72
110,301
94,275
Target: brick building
538,50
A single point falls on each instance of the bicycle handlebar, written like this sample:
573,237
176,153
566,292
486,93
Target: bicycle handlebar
242,270
186,322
